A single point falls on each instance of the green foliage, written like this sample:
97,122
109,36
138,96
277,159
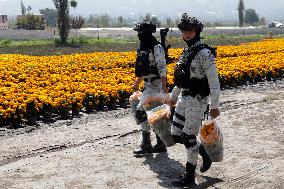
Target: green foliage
74,41
50,16
251,17
30,22
5,42
62,7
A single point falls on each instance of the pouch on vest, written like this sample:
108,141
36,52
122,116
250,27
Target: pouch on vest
182,74
142,66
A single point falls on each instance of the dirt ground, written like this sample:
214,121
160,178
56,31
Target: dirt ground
95,150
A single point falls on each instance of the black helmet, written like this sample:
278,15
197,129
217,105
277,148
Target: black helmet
145,26
188,23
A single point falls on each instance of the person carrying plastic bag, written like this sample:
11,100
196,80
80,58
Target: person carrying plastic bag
151,68
196,81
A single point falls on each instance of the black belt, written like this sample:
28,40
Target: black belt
151,79
190,93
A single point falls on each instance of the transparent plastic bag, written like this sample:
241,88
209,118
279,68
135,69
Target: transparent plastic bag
212,139
134,100
154,100
159,120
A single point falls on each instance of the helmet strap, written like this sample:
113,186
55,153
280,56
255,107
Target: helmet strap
192,41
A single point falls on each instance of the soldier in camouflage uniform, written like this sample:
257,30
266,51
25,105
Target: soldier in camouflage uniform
196,79
150,67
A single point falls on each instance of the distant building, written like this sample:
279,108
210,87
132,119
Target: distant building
274,24
3,22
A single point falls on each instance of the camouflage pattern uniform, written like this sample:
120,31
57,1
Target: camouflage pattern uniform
151,67
152,85
190,110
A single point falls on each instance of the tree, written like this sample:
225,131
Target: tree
103,20
23,8
119,21
156,21
29,8
251,17
262,21
50,16
241,8
169,21
63,18
73,3
78,22
30,22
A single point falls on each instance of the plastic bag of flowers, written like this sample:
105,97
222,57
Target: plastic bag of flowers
152,101
134,100
159,120
212,139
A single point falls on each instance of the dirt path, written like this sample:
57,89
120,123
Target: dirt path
95,151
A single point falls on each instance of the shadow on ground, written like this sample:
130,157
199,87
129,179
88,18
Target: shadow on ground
168,170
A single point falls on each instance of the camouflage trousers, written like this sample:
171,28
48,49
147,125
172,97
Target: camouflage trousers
149,88
187,119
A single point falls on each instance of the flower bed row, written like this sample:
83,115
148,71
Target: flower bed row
33,87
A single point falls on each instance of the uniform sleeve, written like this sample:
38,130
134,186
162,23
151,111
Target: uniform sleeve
175,93
212,76
160,59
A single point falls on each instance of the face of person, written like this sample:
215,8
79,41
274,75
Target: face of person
188,35
144,36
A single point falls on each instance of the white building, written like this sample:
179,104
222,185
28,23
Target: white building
3,22
275,24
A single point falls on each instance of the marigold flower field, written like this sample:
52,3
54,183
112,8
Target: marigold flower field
67,81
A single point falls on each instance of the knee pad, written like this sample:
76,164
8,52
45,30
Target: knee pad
189,141
141,116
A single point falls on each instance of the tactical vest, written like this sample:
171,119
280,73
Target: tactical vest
182,74
142,66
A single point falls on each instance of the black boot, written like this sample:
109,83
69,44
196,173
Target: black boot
206,161
188,179
146,146
160,146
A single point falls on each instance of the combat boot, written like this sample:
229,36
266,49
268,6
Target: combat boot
145,146
188,179
160,146
206,161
